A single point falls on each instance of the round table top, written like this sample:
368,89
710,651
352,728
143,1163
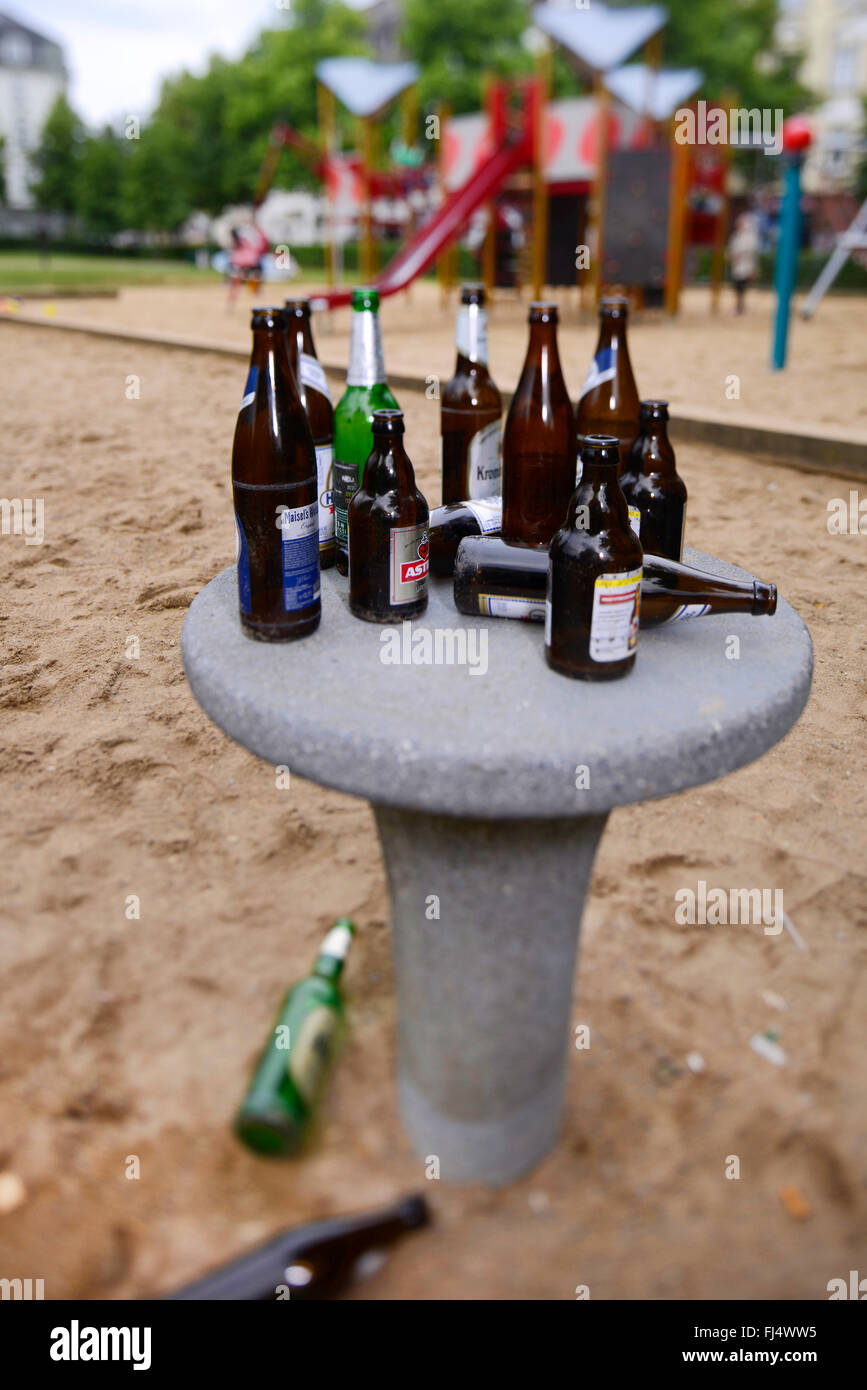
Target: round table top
500,736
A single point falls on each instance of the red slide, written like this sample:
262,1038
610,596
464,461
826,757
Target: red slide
443,227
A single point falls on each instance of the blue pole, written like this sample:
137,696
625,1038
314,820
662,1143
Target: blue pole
786,264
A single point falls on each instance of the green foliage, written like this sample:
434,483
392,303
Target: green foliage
99,184
57,159
733,45
2,169
458,42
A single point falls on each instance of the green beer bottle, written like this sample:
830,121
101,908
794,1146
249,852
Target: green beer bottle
279,1104
365,392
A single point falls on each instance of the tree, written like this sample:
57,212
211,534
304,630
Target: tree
57,159
457,42
99,184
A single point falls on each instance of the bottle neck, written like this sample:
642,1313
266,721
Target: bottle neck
657,455
600,488
542,352
332,953
471,335
612,334
388,469
366,358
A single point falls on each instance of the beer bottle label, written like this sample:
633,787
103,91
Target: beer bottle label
603,368
324,466
366,358
243,560
408,563
311,1051
484,465
614,622
344,486
250,389
528,609
488,512
634,519
471,337
689,610
312,374
299,529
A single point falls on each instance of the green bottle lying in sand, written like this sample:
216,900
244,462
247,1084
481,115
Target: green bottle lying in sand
278,1108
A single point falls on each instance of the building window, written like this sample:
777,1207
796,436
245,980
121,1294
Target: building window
843,70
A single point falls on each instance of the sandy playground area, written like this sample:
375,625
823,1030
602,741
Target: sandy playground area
122,1037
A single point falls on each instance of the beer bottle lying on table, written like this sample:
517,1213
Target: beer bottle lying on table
539,444
471,409
275,493
388,537
609,397
451,524
278,1107
496,580
651,483
594,575
366,391
315,396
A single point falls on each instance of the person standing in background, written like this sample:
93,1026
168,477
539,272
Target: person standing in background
743,254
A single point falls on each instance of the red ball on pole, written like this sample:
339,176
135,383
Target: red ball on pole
797,134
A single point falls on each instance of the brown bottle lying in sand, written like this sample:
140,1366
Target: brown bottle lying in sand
471,410
609,397
651,483
594,575
275,493
539,443
494,579
315,396
451,524
388,535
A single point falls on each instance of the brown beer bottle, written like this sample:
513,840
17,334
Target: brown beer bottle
651,483
539,443
609,397
315,396
449,525
388,531
594,575
275,493
495,579
471,409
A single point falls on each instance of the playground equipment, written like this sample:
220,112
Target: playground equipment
854,239
796,140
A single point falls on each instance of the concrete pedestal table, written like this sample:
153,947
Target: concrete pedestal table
491,782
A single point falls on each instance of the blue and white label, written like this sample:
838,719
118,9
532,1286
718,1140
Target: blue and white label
689,610
488,512
324,471
299,527
243,560
603,368
250,389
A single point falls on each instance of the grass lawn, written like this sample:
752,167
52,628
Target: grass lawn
23,272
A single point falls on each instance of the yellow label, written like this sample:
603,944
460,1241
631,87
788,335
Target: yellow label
312,1050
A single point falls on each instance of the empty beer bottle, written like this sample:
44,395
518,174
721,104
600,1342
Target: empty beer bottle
594,575
609,397
471,409
388,537
365,392
539,444
495,579
651,483
450,525
314,1261
275,494
316,399
278,1107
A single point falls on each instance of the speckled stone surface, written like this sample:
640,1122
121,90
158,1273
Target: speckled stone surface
488,841
506,743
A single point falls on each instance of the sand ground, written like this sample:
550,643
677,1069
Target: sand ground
135,1037
690,361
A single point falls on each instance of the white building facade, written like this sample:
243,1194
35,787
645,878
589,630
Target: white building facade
32,76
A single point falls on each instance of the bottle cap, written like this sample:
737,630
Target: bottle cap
601,448
614,306
653,410
388,421
543,311
297,307
473,294
267,318
363,298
